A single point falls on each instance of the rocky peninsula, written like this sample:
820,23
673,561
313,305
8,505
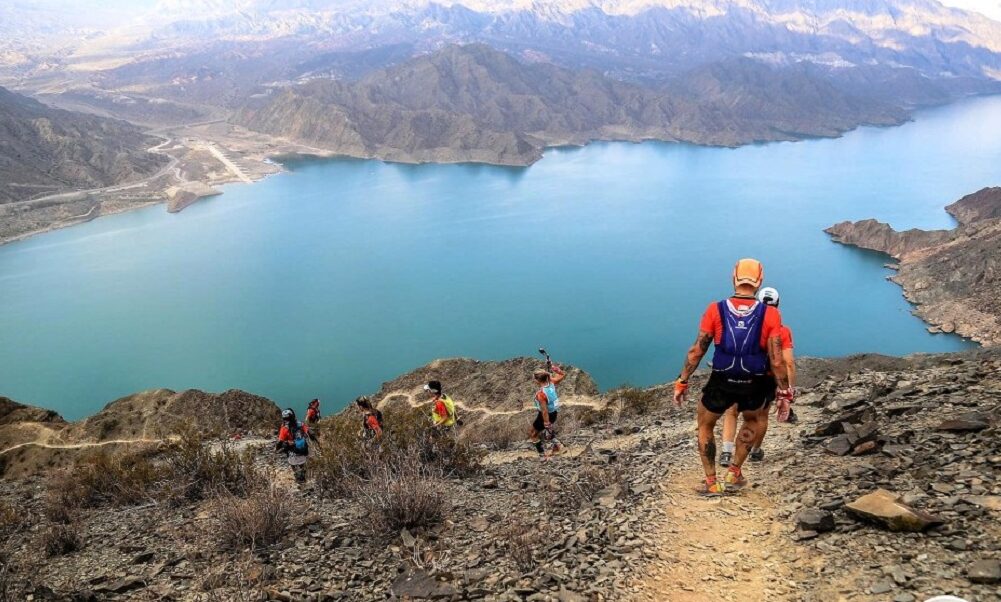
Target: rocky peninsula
952,276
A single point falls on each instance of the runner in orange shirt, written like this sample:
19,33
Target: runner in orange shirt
748,350
768,296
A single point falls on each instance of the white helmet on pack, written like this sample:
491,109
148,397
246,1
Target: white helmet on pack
769,296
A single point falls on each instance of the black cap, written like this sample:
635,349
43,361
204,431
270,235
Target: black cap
433,385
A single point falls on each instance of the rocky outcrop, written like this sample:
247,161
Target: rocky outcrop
493,399
162,412
179,197
33,439
12,412
952,276
474,103
985,204
878,236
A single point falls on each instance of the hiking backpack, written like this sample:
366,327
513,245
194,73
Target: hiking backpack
300,441
738,355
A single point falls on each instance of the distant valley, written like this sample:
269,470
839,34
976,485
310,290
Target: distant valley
225,87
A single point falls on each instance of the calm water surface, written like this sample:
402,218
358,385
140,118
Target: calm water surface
340,274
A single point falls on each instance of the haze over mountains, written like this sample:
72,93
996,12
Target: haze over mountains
478,80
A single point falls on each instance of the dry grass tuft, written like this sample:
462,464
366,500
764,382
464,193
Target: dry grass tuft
259,520
402,494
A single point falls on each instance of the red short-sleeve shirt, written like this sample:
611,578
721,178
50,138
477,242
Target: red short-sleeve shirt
786,336
712,322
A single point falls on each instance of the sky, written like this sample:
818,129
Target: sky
991,8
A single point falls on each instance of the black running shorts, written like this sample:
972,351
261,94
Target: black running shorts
719,394
539,425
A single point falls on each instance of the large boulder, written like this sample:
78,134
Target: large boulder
885,509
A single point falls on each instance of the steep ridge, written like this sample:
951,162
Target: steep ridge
618,518
33,439
47,150
951,275
473,103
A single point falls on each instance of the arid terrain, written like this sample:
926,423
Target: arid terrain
615,517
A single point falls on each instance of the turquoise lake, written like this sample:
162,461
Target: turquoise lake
340,274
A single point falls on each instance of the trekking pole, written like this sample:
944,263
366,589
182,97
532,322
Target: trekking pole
549,360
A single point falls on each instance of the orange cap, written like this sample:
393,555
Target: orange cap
748,271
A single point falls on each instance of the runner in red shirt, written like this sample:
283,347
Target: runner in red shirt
768,296
747,362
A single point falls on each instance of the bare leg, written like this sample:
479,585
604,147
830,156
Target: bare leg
762,429
748,434
707,439
730,425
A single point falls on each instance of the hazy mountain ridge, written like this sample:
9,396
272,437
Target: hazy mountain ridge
51,150
473,103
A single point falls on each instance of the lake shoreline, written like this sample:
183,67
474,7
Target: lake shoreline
289,151
272,288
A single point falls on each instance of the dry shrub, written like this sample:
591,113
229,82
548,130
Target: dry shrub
11,583
195,470
498,436
10,519
635,402
99,479
345,456
342,454
257,521
402,493
61,538
519,539
590,416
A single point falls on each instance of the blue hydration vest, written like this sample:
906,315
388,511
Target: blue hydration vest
300,445
739,355
552,399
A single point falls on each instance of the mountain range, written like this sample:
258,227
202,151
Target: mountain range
45,150
474,103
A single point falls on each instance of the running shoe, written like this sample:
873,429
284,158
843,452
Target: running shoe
757,455
725,458
715,490
734,480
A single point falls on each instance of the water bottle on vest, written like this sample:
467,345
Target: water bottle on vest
738,356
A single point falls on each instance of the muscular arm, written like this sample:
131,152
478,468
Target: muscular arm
558,375
777,359
790,366
695,354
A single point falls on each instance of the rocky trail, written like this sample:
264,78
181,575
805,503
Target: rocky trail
617,517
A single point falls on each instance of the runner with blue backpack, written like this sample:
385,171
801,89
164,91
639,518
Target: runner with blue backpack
543,430
293,439
748,370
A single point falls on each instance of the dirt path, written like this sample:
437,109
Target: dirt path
715,549
78,445
729,548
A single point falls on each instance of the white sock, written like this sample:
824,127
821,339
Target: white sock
729,446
